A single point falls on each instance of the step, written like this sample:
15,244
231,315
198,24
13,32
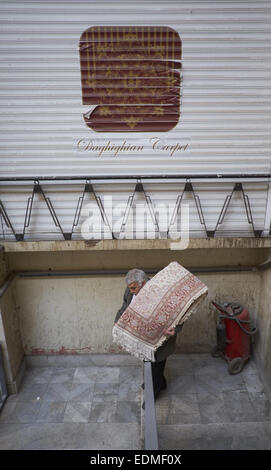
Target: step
216,436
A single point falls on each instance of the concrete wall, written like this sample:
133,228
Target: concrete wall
263,344
10,333
11,337
151,258
68,316
76,315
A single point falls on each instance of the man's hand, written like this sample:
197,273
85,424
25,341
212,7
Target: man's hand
169,331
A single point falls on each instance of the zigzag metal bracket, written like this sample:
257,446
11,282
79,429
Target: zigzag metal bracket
189,188
139,188
238,187
6,221
38,189
88,188
3,213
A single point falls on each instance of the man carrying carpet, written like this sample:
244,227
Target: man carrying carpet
135,280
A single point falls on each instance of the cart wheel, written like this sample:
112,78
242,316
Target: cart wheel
215,352
236,365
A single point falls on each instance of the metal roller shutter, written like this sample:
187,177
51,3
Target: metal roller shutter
224,124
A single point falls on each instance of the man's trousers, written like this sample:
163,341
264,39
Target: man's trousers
158,378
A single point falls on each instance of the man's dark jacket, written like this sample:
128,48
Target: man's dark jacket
168,346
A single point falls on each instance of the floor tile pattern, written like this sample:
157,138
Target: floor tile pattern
94,402
205,407
95,406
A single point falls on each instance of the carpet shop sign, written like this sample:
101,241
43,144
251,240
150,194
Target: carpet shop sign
155,144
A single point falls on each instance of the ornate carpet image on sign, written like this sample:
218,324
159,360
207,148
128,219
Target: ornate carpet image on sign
132,75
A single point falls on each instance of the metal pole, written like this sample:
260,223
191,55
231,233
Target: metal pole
104,272
151,435
218,176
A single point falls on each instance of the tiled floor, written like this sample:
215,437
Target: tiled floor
204,406
96,404
87,407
